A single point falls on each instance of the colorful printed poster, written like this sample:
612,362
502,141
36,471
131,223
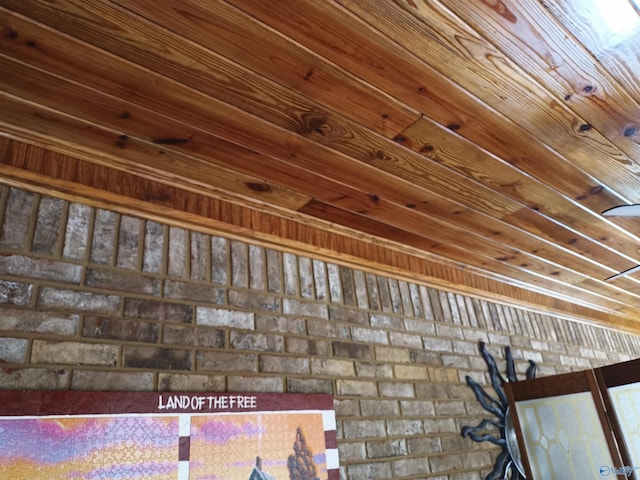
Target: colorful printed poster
95,435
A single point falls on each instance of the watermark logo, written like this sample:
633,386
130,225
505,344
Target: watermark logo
606,470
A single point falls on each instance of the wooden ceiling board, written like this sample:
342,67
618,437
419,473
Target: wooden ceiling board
453,142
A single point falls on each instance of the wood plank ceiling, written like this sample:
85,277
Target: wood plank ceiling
472,143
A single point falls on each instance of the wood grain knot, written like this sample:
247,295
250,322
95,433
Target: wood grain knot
258,187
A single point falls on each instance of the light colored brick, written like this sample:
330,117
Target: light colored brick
224,361
252,300
44,269
405,427
256,341
185,382
112,381
320,280
219,260
34,379
78,300
410,467
16,219
283,364
397,389
220,317
370,335
15,293
128,242
364,428
76,237
24,320
74,353
153,250
304,308
309,385
239,264
48,225
374,370
305,271
386,321
103,245
200,251
177,252
356,388
332,367
290,271
333,278
13,350
255,384
274,271
410,372
370,471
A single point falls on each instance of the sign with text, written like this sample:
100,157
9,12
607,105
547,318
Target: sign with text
168,435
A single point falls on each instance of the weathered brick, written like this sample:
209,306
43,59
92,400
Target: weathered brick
370,471
348,315
74,353
256,301
120,329
353,350
324,328
78,300
193,336
112,381
334,282
40,268
255,384
410,372
405,426
128,242
177,266
153,249
16,218
304,308
24,320
15,293
450,408
387,448
158,358
13,350
122,281
239,265
410,467
256,341
424,446
187,382
280,324
405,340
284,364
397,389
309,385
196,292
445,463
320,280
200,251
76,237
379,408
395,295
33,379
417,408
305,272
360,285
290,272
158,310
219,260
103,245
374,370
350,451
219,361
274,271
356,388
47,232
332,367
219,317
305,346
348,286
364,428
426,358
392,355
370,335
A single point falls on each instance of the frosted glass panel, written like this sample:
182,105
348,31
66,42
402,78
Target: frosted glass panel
563,437
626,403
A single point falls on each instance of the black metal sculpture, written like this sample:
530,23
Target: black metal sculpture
508,464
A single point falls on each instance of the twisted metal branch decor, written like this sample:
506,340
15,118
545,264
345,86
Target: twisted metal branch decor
508,464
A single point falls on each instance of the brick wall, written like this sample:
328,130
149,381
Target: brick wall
95,300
